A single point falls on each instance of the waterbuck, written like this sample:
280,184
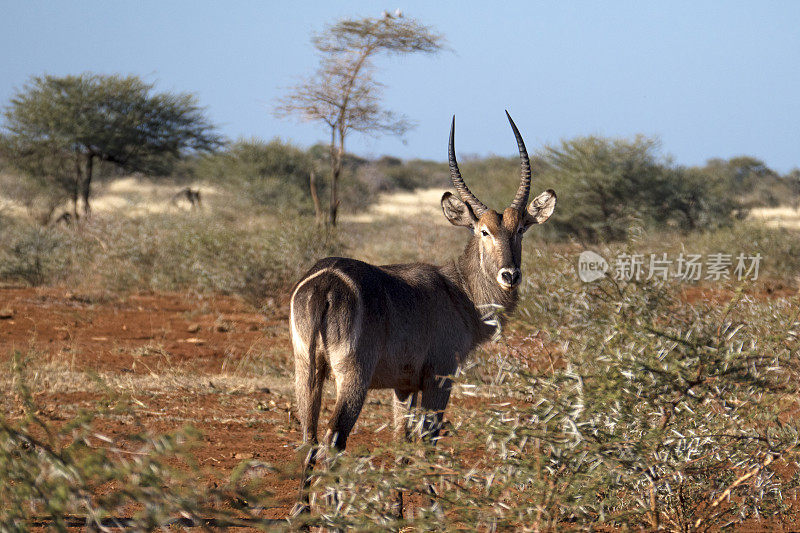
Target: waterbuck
407,327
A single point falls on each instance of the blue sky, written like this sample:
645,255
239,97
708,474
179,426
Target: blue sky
711,79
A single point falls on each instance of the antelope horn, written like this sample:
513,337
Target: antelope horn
525,171
458,182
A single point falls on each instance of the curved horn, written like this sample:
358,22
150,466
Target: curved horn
455,175
525,171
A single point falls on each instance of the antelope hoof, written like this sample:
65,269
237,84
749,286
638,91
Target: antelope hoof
398,505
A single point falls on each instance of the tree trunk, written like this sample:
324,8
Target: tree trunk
690,218
312,184
76,186
334,207
87,184
336,170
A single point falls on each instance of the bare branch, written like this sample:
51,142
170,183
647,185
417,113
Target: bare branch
343,93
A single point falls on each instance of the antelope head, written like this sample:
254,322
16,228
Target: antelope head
497,237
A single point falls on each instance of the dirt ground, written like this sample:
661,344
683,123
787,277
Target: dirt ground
209,361
214,363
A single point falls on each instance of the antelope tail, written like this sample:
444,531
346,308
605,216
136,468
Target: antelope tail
318,315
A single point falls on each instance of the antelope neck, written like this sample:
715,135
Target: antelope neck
482,290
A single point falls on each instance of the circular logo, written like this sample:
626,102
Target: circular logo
591,266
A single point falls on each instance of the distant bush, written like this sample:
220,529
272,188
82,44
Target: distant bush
752,182
271,174
40,177
495,179
39,196
692,200
609,185
30,254
389,174
320,153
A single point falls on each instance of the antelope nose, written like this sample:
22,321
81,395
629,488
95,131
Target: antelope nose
509,277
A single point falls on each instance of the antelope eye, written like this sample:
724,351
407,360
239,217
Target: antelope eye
484,233
520,231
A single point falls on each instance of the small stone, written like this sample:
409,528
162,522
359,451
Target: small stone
5,314
243,455
255,472
193,328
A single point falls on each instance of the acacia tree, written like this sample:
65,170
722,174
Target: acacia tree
343,94
101,117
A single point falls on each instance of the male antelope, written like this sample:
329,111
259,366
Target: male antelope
407,327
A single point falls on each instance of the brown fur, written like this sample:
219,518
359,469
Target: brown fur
404,327
190,195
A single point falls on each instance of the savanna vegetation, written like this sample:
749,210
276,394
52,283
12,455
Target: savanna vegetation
620,404
612,403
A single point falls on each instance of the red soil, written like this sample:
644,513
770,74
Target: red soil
206,336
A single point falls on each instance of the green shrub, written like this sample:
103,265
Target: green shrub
607,185
751,181
390,174
276,175
271,174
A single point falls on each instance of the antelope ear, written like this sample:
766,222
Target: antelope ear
541,208
458,212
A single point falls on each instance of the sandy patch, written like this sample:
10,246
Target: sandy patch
777,217
405,204
130,195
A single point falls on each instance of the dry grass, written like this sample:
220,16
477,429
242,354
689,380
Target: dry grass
54,379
